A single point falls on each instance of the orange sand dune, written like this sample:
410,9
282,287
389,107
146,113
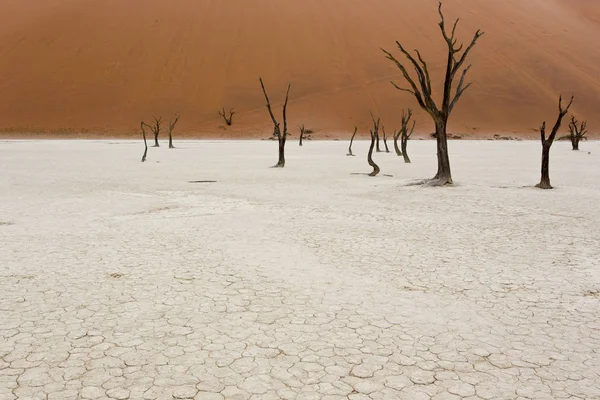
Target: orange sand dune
102,65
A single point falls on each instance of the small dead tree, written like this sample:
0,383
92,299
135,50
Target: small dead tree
228,119
370,154
352,140
376,124
171,128
142,124
547,143
387,150
577,132
376,132
281,136
422,90
405,133
155,128
302,130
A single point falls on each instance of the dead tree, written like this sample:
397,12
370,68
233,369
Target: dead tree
352,140
547,143
422,90
370,154
387,150
577,132
281,136
171,128
397,134
145,142
156,129
376,132
301,134
228,120
376,124
405,133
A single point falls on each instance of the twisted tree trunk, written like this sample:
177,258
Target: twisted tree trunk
396,148
370,156
351,140
145,142
404,142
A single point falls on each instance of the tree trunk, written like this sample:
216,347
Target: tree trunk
404,142
301,137
351,140
444,175
370,158
145,149
545,181
281,162
156,141
387,149
396,148
171,141
575,143
377,147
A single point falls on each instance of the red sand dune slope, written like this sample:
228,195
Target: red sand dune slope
102,65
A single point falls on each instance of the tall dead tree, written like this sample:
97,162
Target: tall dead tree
145,142
422,90
405,133
301,134
155,128
577,132
352,140
370,154
281,136
228,119
387,150
547,143
171,128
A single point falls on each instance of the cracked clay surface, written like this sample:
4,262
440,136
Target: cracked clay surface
121,280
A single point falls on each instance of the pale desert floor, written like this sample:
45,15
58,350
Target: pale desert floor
122,280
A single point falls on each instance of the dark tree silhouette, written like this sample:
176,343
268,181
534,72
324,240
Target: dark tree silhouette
228,119
281,136
370,154
577,132
405,133
376,125
397,135
547,143
352,140
387,149
302,130
171,128
145,142
376,131
155,128
422,90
